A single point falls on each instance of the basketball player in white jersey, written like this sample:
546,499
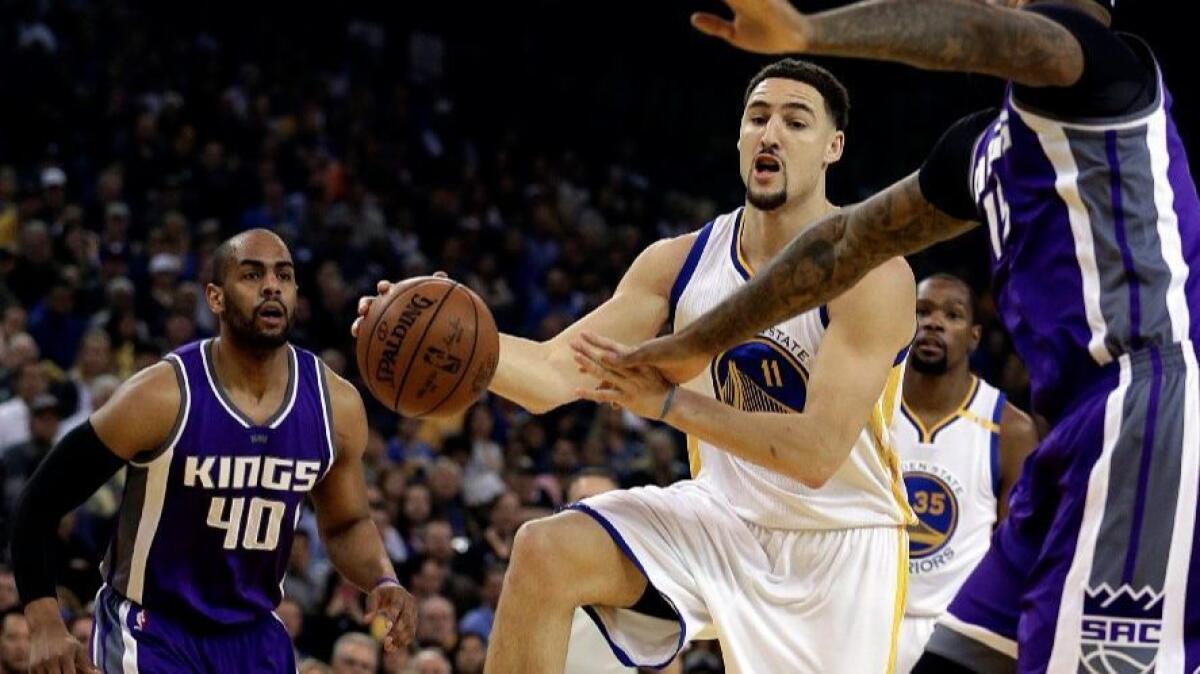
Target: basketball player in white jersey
789,545
961,447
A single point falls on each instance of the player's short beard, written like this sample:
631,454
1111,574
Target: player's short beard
933,368
766,201
244,332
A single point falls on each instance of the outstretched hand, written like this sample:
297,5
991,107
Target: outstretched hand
641,390
760,26
674,356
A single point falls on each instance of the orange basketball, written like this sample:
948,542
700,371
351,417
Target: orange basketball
428,348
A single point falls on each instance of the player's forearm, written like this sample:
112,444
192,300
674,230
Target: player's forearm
794,445
825,261
532,375
957,35
357,552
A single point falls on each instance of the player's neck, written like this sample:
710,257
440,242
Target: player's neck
933,397
768,232
248,370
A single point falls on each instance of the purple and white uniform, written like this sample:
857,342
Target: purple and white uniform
1094,226
196,565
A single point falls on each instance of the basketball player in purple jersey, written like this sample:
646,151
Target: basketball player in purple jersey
1094,221
224,439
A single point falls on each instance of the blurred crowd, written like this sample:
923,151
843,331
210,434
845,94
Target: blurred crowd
128,154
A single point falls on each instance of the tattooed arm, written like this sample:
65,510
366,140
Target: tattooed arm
817,266
958,35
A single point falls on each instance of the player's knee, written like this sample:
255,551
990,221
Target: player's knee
537,553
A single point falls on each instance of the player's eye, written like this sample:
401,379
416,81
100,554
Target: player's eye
797,124
251,275
758,120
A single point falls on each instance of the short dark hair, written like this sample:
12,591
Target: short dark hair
972,297
837,99
222,260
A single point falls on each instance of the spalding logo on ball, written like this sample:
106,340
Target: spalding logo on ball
428,348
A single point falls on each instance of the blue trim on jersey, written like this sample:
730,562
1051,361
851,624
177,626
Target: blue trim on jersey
620,541
903,353
965,406
916,425
996,414
734,240
823,312
686,271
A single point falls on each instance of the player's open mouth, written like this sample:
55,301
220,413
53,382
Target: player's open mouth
766,165
928,344
272,313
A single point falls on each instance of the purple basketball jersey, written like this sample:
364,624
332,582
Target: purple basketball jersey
1094,229
206,525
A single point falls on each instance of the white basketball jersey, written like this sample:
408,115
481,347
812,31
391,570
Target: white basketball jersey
769,373
951,471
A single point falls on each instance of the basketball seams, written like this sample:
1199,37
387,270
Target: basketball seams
417,348
470,358
366,357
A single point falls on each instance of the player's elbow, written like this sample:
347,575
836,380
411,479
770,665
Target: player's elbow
816,466
814,476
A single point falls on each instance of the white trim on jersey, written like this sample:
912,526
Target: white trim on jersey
1066,182
326,414
295,387
157,472
1168,227
213,385
129,663
1171,655
96,628
983,635
1067,634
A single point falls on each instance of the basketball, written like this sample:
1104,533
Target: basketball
428,348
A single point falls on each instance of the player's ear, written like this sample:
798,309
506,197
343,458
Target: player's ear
214,296
976,336
833,151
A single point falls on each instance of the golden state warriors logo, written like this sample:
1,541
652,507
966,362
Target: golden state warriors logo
760,376
936,509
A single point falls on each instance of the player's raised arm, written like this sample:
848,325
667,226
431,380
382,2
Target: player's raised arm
138,419
957,35
816,267
344,518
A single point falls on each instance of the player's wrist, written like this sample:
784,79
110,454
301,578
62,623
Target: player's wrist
668,402
44,616
385,581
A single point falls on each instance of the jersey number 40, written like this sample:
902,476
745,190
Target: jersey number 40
257,530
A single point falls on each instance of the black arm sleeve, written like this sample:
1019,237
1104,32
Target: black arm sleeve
72,471
1119,77
945,176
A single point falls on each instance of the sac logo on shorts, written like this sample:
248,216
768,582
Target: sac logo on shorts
1121,629
936,507
762,375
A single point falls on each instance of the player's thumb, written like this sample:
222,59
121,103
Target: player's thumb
711,24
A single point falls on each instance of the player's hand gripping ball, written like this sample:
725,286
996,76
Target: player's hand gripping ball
427,346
